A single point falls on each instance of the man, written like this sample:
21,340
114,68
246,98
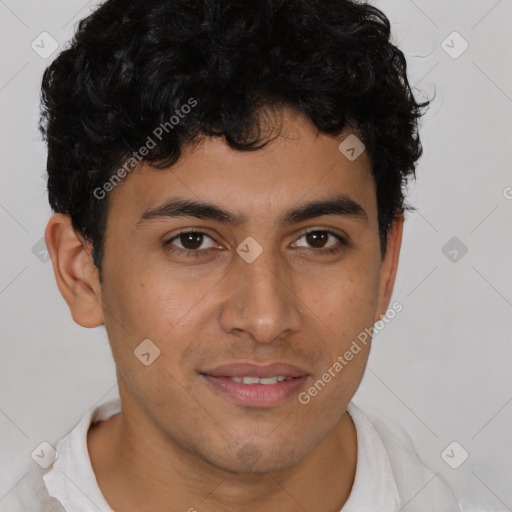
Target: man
227,180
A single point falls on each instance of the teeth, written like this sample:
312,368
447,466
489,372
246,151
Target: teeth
256,380
250,380
269,380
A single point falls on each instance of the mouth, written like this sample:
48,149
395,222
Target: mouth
256,385
264,380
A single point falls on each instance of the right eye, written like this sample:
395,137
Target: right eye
190,242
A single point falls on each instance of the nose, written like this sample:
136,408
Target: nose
261,302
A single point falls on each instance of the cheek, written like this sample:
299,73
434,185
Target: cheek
153,305
146,297
344,299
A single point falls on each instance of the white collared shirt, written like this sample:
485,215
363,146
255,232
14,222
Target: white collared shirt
390,476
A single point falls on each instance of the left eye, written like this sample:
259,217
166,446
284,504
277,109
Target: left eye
319,237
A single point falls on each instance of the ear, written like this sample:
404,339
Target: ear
75,273
389,265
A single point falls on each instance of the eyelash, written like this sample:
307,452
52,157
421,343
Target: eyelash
189,253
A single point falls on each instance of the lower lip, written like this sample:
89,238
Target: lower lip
256,395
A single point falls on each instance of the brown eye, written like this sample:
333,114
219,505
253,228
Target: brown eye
191,240
317,239
190,243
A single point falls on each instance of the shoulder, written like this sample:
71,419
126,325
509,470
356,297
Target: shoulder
419,487
30,494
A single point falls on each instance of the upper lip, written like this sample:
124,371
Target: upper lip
241,369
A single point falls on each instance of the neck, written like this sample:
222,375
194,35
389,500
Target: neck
138,468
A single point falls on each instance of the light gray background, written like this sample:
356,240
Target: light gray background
441,368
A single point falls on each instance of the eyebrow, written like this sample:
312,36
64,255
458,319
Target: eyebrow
341,205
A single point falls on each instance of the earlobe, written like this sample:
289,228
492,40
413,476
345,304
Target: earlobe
75,273
390,265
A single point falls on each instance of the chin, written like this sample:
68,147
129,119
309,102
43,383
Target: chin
251,459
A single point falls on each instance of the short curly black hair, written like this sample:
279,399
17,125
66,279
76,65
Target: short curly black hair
133,64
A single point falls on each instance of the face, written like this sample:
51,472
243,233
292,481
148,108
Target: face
263,297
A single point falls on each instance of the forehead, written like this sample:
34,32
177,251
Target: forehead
299,166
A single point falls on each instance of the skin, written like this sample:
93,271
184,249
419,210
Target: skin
177,440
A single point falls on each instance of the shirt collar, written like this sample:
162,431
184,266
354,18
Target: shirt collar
374,486
72,480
